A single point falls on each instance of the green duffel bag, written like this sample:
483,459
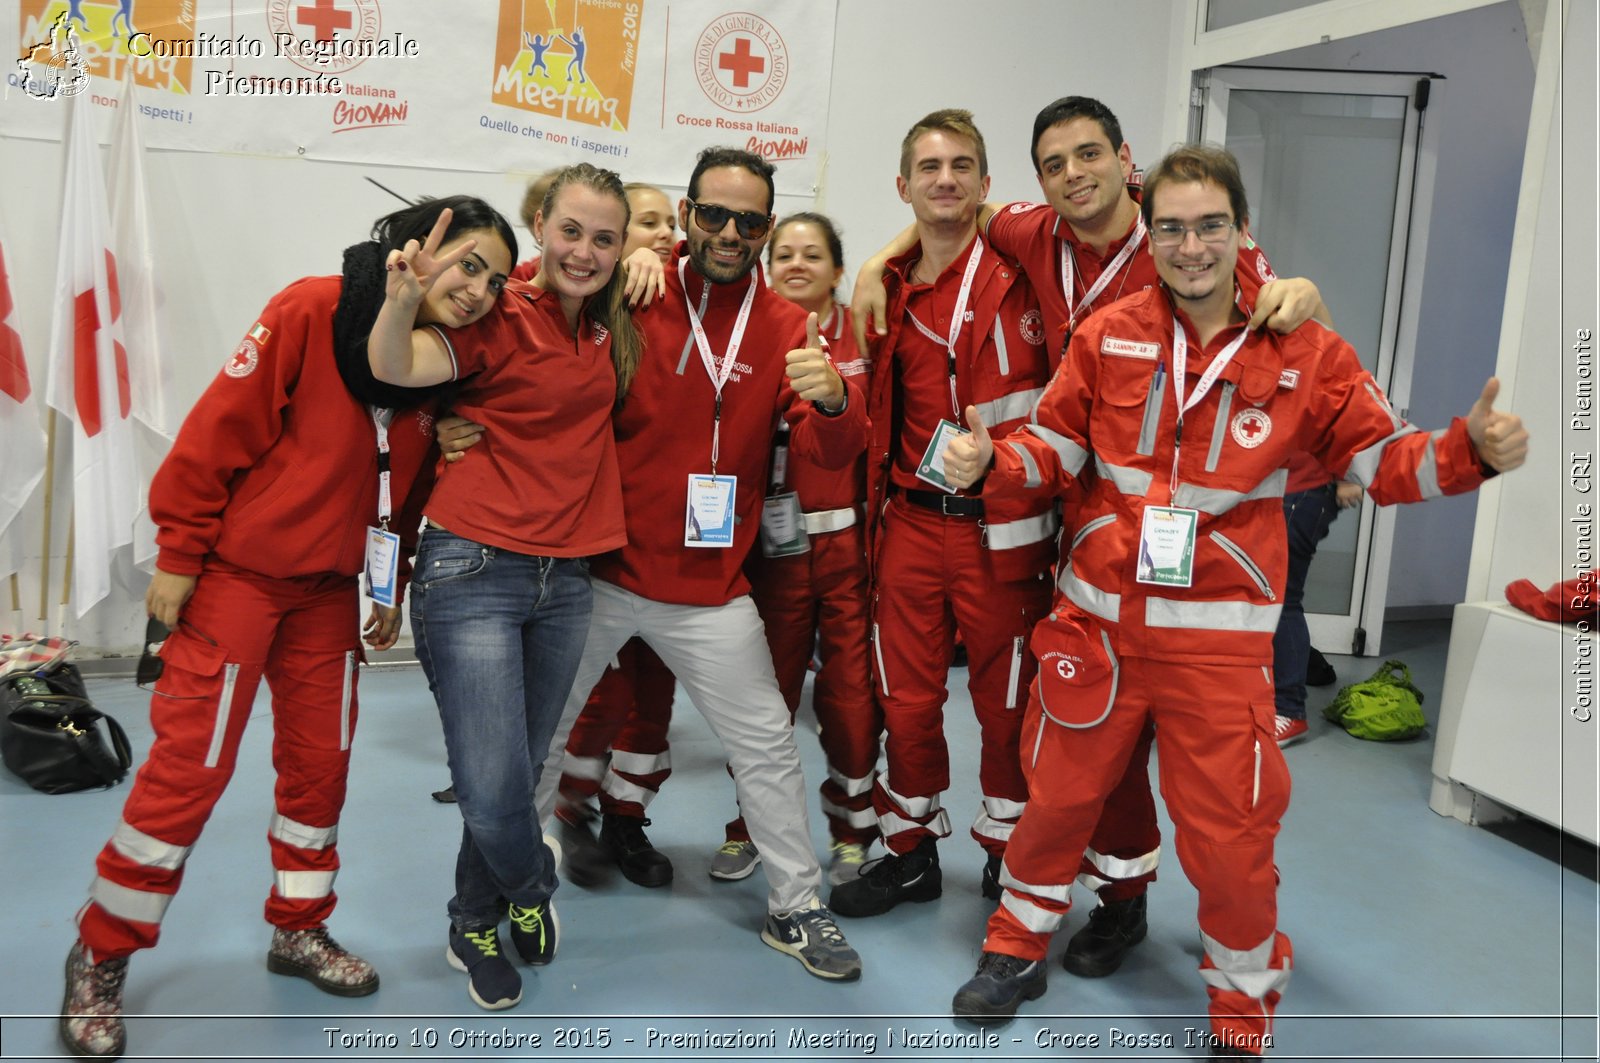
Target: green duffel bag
1384,708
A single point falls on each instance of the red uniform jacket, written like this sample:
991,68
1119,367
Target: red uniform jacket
1111,408
1001,367
276,468
664,435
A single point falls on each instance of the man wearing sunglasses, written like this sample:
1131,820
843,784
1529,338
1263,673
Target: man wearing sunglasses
1082,250
963,330
724,359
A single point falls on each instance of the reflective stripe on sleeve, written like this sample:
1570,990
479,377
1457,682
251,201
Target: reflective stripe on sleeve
1072,456
1009,407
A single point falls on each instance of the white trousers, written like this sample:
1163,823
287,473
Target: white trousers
720,655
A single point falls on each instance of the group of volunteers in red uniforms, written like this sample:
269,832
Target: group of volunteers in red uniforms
1057,432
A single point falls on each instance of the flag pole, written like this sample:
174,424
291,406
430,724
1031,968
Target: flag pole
66,569
49,501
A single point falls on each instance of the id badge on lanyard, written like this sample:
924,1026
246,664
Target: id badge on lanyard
710,509
931,467
381,572
709,502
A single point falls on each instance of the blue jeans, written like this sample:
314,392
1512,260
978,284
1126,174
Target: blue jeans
499,635
1308,515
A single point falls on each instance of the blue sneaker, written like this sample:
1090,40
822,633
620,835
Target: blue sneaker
492,982
811,936
535,932
1000,986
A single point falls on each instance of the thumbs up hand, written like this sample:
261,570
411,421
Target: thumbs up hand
967,458
810,372
1499,437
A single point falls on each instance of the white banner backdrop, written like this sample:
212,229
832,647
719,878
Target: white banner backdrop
638,86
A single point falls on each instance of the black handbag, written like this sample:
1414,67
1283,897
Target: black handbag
50,733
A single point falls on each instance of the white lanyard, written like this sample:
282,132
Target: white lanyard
1202,387
1111,271
381,416
719,376
957,320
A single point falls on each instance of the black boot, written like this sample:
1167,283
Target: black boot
585,861
991,878
885,882
1114,928
640,862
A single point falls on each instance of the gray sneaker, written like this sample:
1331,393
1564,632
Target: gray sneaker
845,862
811,936
734,861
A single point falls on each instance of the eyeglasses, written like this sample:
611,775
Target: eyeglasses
711,218
1171,234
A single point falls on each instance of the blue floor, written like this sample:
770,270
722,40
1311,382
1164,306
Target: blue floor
1415,936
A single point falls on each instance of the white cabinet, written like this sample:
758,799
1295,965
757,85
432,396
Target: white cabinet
1507,730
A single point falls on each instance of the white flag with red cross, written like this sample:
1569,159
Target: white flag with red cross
21,435
88,367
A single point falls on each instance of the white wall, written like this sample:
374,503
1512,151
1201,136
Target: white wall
896,60
231,230
1481,115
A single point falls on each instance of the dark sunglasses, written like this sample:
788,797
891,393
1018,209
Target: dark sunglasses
713,219
149,667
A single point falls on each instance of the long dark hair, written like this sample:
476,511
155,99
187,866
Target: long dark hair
608,308
414,222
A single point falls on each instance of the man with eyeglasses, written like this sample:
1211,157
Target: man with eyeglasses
1170,586
964,331
1082,250
724,359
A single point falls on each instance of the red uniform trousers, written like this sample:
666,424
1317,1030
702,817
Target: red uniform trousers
1226,785
819,599
932,579
303,635
627,714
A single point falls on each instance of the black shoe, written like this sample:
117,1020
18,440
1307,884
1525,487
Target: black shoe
887,881
1001,984
1114,928
641,863
991,878
586,862
447,796
1319,673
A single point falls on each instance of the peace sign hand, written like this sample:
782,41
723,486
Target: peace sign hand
413,270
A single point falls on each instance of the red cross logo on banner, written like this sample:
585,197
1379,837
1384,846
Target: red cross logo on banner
741,62
325,17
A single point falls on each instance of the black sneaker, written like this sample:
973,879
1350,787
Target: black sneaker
492,982
1000,986
587,862
641,863
887,881
535,932
91,1008
991,878
1114,928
